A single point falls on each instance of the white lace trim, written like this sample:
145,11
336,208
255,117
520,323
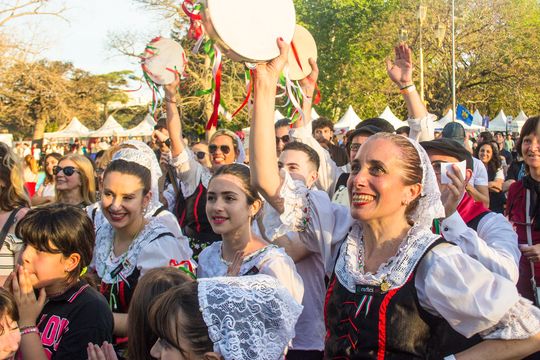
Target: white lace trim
248,317
296,209
350,264
212,264
106,261
520,322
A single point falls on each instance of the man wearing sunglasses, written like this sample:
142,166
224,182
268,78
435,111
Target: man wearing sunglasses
201,152
282,128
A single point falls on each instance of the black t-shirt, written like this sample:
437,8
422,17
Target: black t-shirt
70,321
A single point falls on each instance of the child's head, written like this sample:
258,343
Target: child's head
176,319
10,337
59,242
231,200
152,284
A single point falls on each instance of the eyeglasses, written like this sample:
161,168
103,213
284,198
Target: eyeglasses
224,149
285,139
202,154
68,170
355,146
436,167
99,171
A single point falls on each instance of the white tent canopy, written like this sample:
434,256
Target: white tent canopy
499,123
110,128
478,119
314,115
519,121
448,117
278,116
75,129
144,128
7,139
389,116
348,121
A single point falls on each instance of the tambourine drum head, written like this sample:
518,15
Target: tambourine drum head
168,55
247,30
306,48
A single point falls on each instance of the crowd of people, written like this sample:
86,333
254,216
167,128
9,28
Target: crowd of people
389,244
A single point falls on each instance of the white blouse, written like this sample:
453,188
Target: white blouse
147,251
270,260
449,283
165,217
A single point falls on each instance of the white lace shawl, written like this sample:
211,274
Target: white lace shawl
248,317
270,260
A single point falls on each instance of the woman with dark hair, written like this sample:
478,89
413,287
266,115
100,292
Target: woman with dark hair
14,203
127,244
10,336
523,209
46,191
231,318
232,205
488,153
68,313
224,147
397,290
141,337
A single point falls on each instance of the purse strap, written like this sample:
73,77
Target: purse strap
9,223
529,229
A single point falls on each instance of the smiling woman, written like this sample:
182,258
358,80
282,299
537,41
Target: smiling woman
128,245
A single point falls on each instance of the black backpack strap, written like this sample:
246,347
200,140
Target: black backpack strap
9,223
473,224
162,235
159,210
342,181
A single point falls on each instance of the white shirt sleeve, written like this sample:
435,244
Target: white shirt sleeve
480,176
159,253
190,172
170,196
494,244
322,225
329,172
283,269
422,129
500,174
473,299
168,220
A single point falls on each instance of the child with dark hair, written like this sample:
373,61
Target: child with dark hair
141,337
68,313
10,337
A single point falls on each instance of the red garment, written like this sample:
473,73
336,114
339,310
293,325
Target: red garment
469,209
31,188
515,211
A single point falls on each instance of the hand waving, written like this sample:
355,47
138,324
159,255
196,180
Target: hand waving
400,71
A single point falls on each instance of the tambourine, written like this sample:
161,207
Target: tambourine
163,58
303,47
247,30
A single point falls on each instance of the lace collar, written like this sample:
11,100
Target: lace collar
211,261
394,273
106,261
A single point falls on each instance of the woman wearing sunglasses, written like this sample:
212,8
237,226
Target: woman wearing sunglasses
201,152
75,183
224,148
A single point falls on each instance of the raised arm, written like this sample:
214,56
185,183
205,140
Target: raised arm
174,124
262,142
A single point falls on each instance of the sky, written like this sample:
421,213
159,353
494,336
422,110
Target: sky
82,39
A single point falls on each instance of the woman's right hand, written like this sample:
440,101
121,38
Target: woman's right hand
400,71
172,89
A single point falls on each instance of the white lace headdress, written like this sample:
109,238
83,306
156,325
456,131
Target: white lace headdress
144,156
430,206
248,317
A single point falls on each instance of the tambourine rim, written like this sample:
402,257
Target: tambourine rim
208,24
182,52
304,72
